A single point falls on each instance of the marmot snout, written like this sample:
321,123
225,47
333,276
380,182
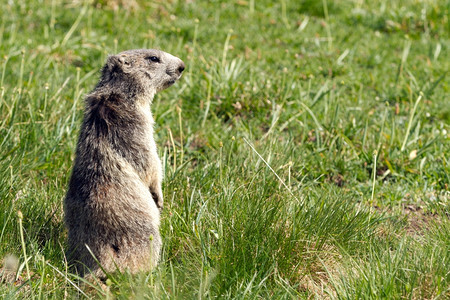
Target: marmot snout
114,196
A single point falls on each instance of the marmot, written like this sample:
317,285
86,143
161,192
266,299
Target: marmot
112,207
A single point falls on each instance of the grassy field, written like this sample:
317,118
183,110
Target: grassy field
305,150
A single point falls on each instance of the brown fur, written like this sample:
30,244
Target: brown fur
111,206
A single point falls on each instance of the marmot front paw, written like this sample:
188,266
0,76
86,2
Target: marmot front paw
157,197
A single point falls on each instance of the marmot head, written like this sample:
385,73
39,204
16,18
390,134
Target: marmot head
150,69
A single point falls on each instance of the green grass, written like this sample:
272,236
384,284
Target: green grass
305,150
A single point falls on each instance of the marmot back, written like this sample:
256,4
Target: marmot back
114,196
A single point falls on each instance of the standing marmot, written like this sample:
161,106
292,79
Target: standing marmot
115,188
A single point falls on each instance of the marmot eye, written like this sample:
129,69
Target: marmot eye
153,58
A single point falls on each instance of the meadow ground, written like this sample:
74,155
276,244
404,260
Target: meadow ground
305,150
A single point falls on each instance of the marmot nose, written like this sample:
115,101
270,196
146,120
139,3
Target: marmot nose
181,67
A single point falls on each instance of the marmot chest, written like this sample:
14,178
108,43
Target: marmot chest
149,155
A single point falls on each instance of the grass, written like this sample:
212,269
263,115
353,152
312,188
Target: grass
305,149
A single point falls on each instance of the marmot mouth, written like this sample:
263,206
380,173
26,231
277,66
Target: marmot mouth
167,84
170,82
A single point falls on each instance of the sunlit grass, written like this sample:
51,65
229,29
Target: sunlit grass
305,149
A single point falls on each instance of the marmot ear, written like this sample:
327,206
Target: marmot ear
116,62
125,62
